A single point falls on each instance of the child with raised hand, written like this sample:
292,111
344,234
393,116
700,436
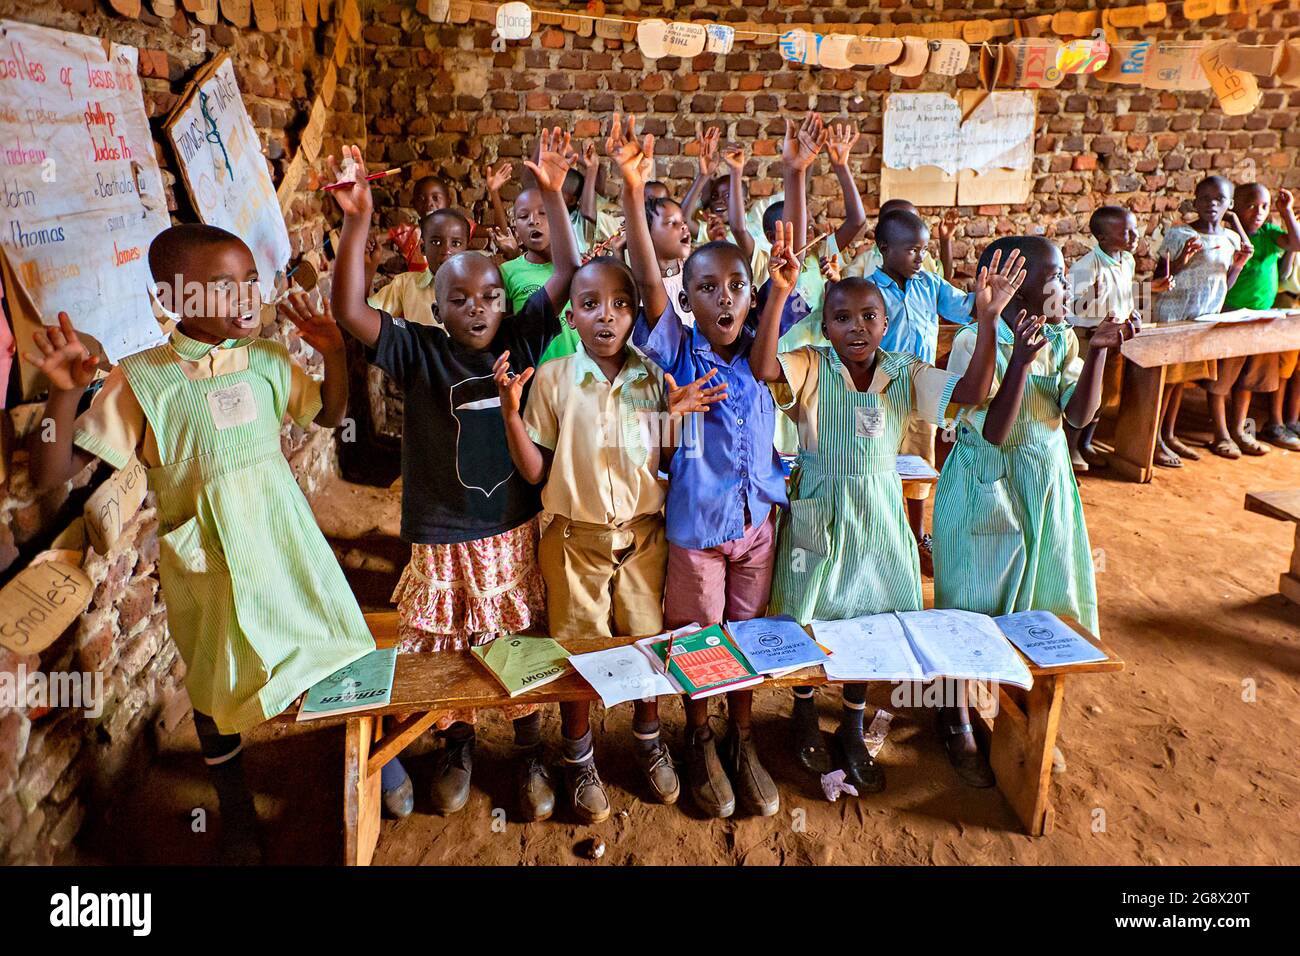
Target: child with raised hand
916,301
470,517
1256,288
846,549
589,436
866,261
722,502
1101,284
1008,521
1205,258
256,602
411,295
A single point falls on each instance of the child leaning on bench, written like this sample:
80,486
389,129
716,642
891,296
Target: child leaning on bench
256,602
470,517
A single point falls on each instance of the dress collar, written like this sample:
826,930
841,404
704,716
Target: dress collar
193,350
585,367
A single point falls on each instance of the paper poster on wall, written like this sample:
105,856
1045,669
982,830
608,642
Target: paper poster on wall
932,157
83,196
221,161
1174,66
40,603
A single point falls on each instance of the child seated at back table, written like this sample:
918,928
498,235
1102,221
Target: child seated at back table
1256,288
256,602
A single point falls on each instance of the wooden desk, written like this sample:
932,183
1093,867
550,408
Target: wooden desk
1156,346
1284,505
1021,736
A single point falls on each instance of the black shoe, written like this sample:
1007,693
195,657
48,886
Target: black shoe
860,768
809,743
451,772
751,782
972,768
710,788
534,794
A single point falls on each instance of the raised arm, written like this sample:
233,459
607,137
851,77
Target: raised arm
1005,405
784,270
1242,255
1083,404
348,293
802,144
735,158
496,180
590,177
634,160
839,145
947,229
533,463
69,368
318,329
549,167
708,143
1286,207
995,286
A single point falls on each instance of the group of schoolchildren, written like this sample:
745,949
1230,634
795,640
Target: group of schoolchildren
592,444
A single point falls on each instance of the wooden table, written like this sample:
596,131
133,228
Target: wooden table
1021,736
1284,505
1157,346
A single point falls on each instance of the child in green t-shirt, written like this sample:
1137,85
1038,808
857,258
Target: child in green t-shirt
1256,288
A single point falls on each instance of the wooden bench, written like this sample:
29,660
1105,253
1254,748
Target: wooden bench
1284,506
1021,737
1157,346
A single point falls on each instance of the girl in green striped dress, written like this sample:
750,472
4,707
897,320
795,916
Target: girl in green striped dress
256,602
1009,533
846,548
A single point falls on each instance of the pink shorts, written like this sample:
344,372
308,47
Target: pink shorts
729,582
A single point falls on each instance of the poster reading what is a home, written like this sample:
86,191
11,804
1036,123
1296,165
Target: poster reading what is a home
222,163
80,191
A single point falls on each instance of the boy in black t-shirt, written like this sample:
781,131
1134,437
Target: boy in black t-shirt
469,516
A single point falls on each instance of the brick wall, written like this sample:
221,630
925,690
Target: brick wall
440,99
57,766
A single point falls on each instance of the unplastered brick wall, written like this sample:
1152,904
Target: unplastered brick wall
438,98
57,766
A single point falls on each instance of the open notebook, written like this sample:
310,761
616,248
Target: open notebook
920,646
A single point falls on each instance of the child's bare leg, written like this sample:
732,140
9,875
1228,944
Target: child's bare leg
223,753
587,795
1171,401
740,708
1243,434
1292,408
860,769
656,762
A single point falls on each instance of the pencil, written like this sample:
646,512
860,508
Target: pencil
371,178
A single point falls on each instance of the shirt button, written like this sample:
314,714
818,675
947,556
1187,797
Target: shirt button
740,421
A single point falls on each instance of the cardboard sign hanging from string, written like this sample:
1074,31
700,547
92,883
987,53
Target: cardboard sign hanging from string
1288,70
1082,56
948,57
874,51
916,53
40,603
650,36
834,51
1237,90
800,46
1174,66
684,39
720,39
514,21
1126,64
1260,60
237,11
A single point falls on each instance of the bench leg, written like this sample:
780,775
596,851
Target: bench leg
1138,423
360,792
1021,751
1289,583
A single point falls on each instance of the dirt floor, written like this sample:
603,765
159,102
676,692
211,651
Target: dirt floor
1170,754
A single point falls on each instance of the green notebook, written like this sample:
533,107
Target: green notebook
364,684
705,663
520,663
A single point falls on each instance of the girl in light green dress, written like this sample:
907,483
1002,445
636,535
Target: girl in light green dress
846,549
1009,533
256,602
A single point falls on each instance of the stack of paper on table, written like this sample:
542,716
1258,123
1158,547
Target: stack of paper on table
920,646
364,684
1244,315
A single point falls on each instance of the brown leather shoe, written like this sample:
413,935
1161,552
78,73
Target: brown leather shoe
451,773
754,787
534,795
710,788
657,766
586,792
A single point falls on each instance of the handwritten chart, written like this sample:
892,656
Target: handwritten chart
223,167
80,191
926,129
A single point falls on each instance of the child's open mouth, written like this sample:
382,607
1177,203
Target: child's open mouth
536,236
726,320
249,321
606,336
478,328
856,347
